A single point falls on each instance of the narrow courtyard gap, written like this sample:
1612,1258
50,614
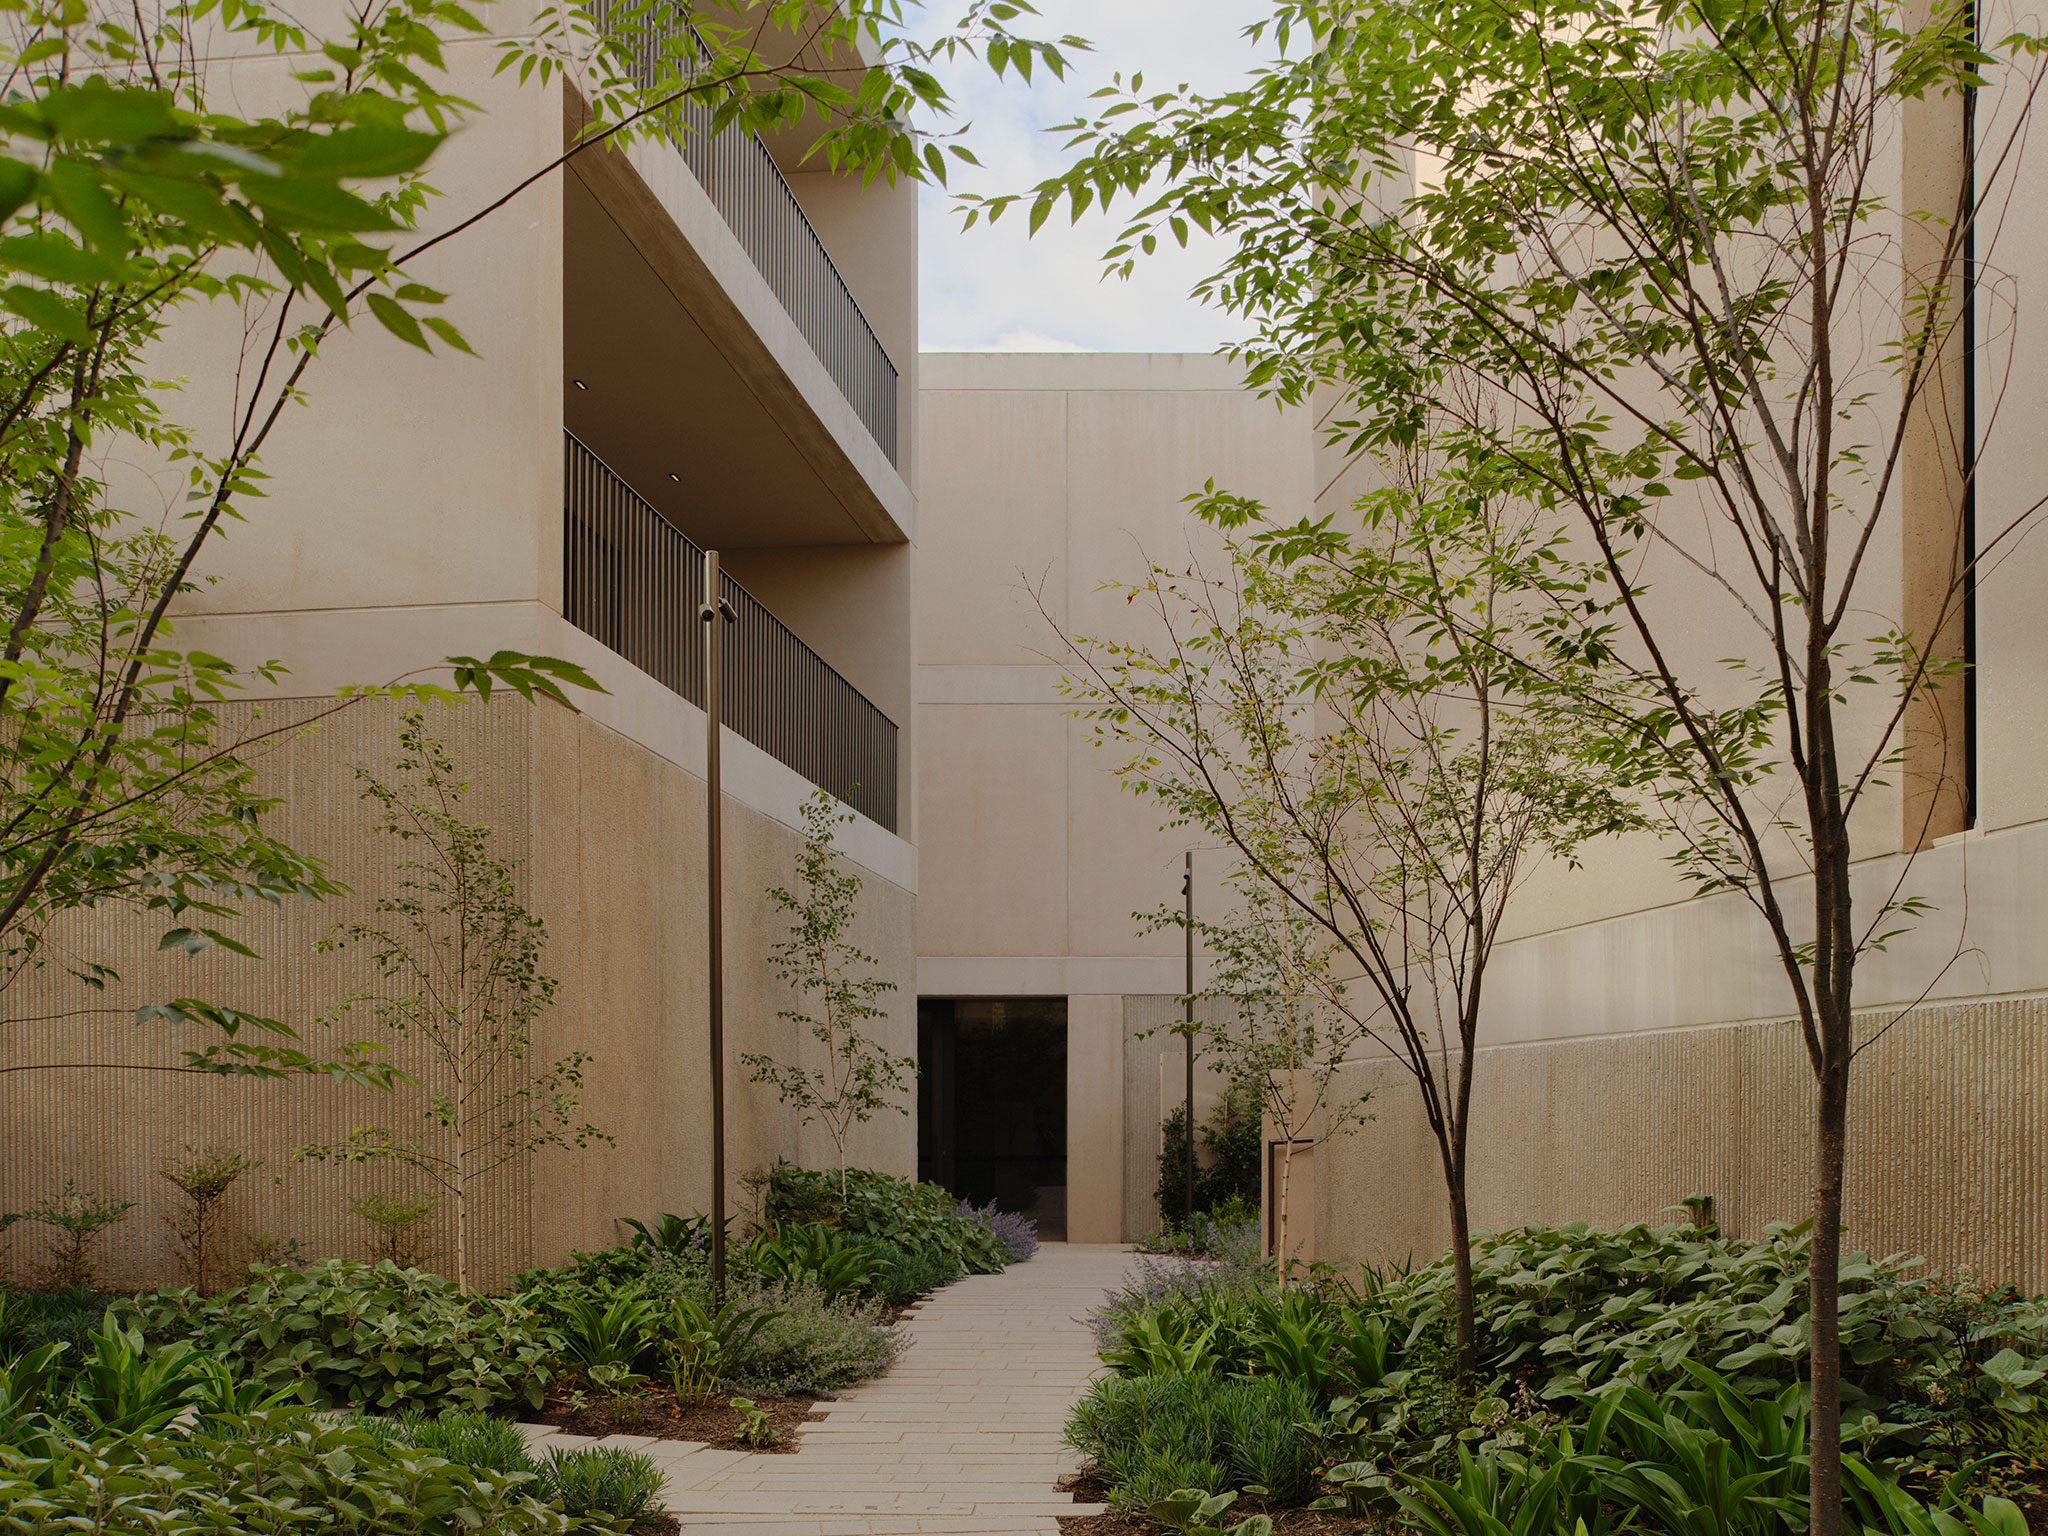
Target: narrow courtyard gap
962,1435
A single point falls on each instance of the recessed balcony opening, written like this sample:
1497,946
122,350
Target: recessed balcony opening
635,583
651,392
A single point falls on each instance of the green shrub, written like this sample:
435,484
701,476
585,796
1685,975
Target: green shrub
607,1482
1940,1373
900,1276
701,1343
1149,1436
475,1440
274,1474
31,1319
1234,1139
343,1334
837,1263
815,1343
921,1219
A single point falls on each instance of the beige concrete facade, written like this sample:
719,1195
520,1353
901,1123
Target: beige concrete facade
1042,477
611,839
415,511
1635,1050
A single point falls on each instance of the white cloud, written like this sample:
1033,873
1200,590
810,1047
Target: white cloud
992,288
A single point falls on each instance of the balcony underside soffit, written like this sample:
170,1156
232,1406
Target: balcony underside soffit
674,411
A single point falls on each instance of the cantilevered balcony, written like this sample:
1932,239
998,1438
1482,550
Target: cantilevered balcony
739,174
633,582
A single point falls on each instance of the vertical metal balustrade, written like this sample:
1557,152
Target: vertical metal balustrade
634,583
744,183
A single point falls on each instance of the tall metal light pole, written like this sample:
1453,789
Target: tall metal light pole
1187,891
714,607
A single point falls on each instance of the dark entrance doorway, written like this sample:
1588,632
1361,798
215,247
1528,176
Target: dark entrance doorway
992,1103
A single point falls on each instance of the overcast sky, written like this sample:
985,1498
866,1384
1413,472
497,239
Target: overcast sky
992,289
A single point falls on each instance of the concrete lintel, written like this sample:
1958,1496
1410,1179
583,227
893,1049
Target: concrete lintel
1048,975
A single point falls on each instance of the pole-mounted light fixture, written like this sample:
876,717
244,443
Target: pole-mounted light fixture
712,609
1187,891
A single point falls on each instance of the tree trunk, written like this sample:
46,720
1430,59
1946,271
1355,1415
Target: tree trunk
1461,1269
1824,1293
1286,1180
461,1193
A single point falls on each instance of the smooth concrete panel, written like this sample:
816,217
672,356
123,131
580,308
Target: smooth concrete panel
1095,1130
1122,863
2012,393
992,487
1043,975
404,478
1711,960
993,800
1134,459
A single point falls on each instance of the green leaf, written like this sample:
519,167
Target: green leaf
368,150
56,259
193,202
80,198
448,333
316,205
395,319
45,311
96,111
17,186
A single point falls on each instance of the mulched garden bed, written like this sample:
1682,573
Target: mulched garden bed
1088,1489
654,1413
657,1525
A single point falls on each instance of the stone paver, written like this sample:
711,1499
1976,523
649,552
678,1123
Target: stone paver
963,1436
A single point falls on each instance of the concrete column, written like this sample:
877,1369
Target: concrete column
1095,1119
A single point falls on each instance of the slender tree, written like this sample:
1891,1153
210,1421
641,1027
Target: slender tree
1704,268
856,1078
1287,1030
460,958
1340,710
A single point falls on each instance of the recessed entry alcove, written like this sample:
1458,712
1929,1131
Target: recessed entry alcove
992,1103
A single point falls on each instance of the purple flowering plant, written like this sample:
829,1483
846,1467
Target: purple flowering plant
1016,1234
1223,1284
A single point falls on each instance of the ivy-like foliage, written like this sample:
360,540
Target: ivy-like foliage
344,1334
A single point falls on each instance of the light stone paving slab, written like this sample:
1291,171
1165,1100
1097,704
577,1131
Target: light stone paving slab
962,1437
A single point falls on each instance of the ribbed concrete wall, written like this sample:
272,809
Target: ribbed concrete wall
612,839
1948,1152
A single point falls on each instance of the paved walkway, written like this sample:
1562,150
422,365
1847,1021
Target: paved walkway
962,1436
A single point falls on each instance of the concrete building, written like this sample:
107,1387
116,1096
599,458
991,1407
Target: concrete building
1634,1049
682,346
1044,476
707,346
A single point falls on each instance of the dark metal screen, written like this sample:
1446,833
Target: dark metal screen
635,584
744,183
